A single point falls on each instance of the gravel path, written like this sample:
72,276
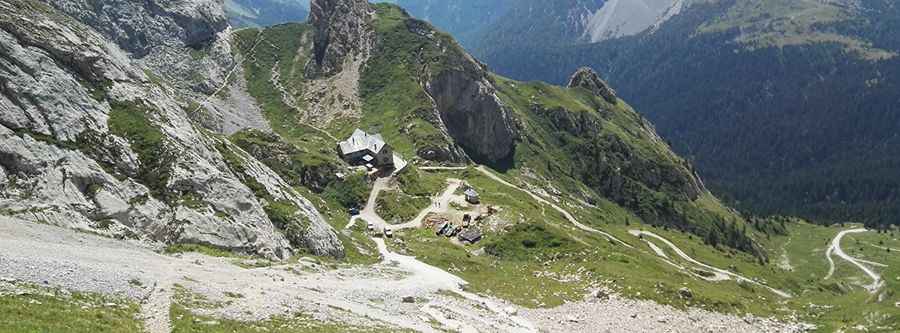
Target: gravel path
540,199
836,249
721,274
368,213
440,204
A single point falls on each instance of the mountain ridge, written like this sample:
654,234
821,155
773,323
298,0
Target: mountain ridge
736,69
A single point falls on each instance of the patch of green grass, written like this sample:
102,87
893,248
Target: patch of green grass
780,23
525,241
131,121
420,183
350,192
297,165
396,207
198,53
154,78
53,311
284,216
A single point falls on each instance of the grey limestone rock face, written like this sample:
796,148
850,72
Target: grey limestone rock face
342,30
474,115
187,44
469,107
61,81
140,26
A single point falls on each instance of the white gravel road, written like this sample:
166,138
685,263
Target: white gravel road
835,248
721,274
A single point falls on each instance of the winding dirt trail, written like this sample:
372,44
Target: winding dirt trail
720,274
835,248
443,279
565,213
571,218
883,248
452,283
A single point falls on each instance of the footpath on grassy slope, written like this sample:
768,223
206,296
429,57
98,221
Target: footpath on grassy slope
450,282
721,274
835,248
439,204
538,198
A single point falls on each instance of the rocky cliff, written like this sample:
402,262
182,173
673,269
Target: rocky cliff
341,29
90,140
473,114
588,79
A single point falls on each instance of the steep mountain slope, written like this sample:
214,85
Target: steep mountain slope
214,141
786,106
418,88
94,140
263,13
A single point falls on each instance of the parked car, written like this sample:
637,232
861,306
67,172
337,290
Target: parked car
354,211
370,226
388,232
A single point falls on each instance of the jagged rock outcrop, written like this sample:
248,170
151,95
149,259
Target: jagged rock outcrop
88,140
342,30
588,79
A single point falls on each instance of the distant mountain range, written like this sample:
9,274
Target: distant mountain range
262,13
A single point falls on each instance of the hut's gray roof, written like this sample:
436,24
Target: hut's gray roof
470,235
361,141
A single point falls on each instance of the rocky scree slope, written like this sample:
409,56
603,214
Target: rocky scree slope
90,139
432,100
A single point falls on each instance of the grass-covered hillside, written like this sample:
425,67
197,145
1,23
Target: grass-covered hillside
601,162
784,106
570,143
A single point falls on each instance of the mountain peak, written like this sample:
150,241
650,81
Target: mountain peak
587,78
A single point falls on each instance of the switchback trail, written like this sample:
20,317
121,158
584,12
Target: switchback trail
538,198
835,248
721,274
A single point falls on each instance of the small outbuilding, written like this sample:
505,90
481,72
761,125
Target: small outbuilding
470,236
472,196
